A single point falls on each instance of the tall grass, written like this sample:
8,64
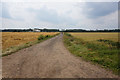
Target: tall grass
103,52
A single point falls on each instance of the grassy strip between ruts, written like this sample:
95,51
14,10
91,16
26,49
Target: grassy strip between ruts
14,49
99,53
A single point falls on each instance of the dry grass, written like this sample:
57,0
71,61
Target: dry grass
93,36
10,39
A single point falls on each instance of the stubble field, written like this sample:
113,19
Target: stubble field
93,36
10,39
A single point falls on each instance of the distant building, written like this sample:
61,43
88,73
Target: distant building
36,30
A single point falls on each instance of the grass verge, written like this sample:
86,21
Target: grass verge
103,52
14,49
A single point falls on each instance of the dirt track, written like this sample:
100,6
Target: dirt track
49,59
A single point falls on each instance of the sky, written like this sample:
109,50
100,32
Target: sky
59,15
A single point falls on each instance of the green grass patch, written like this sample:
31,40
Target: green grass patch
103,52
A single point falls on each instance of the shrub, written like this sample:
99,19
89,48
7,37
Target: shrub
41,37
117,44
68,34
47,36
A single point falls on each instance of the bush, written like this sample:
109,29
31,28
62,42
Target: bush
47,36
117,44
68,34
41,37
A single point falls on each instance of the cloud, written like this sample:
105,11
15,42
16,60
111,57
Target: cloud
99,9
50,15
90,15
47,15
5,11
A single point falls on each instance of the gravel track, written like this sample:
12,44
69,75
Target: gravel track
50,59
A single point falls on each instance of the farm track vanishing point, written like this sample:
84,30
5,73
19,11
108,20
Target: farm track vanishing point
49,59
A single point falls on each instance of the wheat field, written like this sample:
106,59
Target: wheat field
93,36
10,39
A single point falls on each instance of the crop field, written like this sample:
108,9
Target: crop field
89,36
101,48
10,39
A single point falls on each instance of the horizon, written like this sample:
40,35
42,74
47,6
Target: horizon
59,29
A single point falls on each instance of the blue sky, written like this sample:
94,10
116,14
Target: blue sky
62,15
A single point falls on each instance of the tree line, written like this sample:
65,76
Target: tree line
57,30
81,30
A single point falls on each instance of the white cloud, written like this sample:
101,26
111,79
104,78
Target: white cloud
68,14
59,0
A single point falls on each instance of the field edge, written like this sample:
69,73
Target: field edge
14,49
67,44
